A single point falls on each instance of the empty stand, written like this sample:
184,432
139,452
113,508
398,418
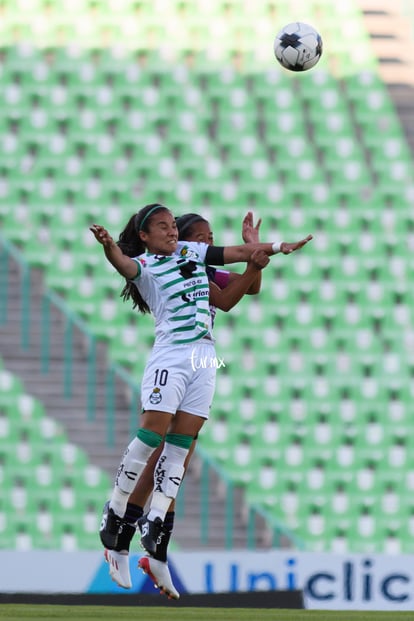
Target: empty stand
311,414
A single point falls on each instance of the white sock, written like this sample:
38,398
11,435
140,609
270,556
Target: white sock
168,475
159,506
133,463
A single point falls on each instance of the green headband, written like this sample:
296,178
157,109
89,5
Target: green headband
149,213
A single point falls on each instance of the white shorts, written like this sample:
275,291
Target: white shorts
180,377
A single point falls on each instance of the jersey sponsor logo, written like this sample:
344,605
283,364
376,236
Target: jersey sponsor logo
190,296
193,283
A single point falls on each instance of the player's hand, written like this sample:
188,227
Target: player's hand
287,247
101,235
250,232
259,259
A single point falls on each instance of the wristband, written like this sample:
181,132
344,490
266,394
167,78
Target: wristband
276,246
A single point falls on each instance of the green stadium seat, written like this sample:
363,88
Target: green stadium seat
43,476
88,134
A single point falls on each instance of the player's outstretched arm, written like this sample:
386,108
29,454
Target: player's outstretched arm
250,234
287,247
250,231
121,262
239,254
225,299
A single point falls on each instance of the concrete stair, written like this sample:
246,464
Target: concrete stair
91,435
392,38
50,387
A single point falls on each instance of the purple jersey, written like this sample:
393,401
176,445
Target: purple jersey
221,278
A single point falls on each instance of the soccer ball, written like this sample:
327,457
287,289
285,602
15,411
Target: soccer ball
298,46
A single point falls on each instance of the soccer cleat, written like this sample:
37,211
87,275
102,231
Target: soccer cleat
109,528
160,575
119,567
150,532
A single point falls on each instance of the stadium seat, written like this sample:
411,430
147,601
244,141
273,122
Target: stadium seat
92,133
43,476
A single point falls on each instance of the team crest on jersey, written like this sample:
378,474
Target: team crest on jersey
143,262
188,253
155,397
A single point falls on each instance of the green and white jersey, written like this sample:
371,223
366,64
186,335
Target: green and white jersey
176,290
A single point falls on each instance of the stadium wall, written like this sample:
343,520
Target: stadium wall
328,581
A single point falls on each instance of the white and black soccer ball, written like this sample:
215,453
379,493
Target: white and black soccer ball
298,46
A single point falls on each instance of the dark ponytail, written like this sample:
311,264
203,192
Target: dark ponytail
132,245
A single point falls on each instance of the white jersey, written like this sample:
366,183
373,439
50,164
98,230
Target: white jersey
176,290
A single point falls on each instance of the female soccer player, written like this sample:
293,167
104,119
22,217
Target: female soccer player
169,280
231,287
